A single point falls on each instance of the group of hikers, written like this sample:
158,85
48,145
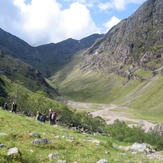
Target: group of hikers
52,117
13,107
52,114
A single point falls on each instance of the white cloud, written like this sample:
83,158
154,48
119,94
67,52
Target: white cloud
112,22
43,21
78,21
118,4
114,4
105,6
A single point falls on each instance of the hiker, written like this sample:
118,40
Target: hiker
54,117
5,106
14,107
40,117
50,117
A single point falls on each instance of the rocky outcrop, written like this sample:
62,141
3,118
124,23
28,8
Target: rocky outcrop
135,41
159,129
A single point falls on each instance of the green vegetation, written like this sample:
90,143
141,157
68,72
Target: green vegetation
18,126
24,74
156,47
29,103
147,75
120,131
69,145
91,86
142,94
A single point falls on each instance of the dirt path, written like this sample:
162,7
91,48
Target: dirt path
107,112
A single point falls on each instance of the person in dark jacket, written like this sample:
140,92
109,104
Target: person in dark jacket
5,106
14,107
40,117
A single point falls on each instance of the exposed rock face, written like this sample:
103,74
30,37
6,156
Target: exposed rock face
136,41
159,129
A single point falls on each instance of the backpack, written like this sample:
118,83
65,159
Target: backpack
42,119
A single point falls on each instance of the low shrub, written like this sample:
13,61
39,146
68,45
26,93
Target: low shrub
121,132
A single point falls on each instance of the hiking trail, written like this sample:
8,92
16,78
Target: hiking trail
109,114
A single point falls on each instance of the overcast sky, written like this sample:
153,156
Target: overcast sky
44,21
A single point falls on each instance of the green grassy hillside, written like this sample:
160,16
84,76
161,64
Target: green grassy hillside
142,97
67,144
24,74
27,100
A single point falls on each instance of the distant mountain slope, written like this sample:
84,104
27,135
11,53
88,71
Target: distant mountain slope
55,56
46,58
24,74
15,46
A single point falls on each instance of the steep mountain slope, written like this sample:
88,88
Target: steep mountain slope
123,67
46,58
135,42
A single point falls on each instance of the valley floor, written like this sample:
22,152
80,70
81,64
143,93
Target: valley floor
111,112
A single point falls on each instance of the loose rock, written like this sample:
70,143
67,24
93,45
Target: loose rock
34,134
41,141
13,151
2,145
102,161
53,156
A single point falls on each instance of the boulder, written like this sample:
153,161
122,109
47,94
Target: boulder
14,152
141,147
41,141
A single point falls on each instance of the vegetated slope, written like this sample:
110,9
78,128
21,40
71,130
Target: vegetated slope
20,131
46,58
23,74
125,66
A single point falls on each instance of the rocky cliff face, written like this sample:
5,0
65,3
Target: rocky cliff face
136,42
